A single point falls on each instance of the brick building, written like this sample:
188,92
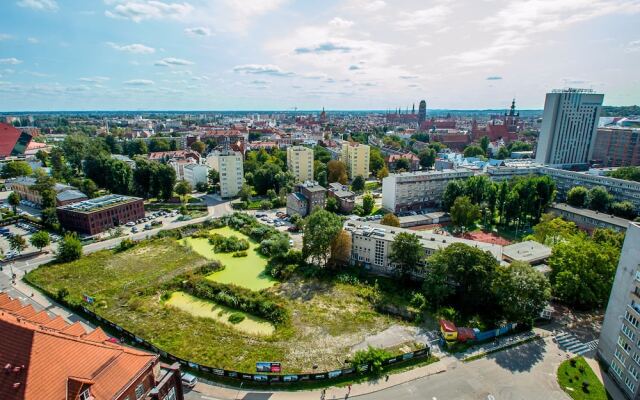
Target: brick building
307,196
99,214
617,147
45,357
25,187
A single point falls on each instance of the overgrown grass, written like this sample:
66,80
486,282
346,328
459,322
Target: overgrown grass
579,381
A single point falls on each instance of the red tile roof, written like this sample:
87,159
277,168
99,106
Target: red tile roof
8,137
44,362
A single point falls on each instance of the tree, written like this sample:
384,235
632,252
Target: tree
337,172
521,292
368,203
198,147
406,254
358,184
503,153
14,201
464,272
17,243
245,192
376,160
163,181
484,144
383,173
473,151
552,230
608,237
183,188
373,357
40,240
623,209
427,158
390,220
321,177
599,199
577,196
264,178
453,190
214,177
332,205
340,249
320,230
14,169
69,248
626,173
464,213
403,164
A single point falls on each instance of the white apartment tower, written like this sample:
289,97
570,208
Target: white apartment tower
569,127
228,163
300,162
618,345
356,158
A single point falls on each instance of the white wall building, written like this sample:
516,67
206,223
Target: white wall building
300,162
196,173
229,165
569,127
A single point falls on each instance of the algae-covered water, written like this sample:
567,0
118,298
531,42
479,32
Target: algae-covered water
209,309
248,272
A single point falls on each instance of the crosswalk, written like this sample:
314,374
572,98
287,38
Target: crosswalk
570,343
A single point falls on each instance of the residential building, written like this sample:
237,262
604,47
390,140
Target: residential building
417,190
414,161
97,215
25,187
45,357
569,126
529,251
13,142
196,173
229,165
617,147
588,219
620,333
371,244
356,158
307,196
300,162
345,197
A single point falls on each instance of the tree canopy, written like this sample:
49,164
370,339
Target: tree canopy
320,230
406,254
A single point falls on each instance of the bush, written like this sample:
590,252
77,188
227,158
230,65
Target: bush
240,254
240,205
281,271
373,357
208,268
126,244
69,248
276,245
62,293
227,244
348,279
266,205
236,318
448,313
418,301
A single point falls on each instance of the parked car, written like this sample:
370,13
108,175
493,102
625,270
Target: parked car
134,229
189,380
130,224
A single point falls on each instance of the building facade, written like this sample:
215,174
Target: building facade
617,147
25,187
13,141
300,162
307,196
618,344
196,173
346,198
356,158
417,190
229,165
569,126
588,219
97,215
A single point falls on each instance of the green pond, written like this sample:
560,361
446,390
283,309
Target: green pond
208,309
246,271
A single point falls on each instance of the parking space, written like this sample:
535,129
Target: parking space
151,220
24,229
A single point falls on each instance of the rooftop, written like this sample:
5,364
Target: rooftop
103,202
527,251
585,212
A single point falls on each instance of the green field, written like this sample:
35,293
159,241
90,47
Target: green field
246,271
579,381
208,309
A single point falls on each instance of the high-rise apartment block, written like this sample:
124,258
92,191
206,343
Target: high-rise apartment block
300,162
356,157
620,334
229,165
569,125
617,147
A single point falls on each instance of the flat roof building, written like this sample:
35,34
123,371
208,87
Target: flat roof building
356,158
528,251
300,162
97,215
589,219
229,165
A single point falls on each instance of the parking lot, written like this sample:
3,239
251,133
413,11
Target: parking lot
24,229
281,221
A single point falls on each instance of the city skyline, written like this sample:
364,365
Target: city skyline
281,55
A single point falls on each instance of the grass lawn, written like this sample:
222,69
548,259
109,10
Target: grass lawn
246,271
572,379
327,319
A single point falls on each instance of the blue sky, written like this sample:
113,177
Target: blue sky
281,54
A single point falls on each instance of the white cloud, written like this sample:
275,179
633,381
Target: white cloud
33,40
94,79
633,46
39,5
170,61
138,11
198,31
419,19
366,5
261,69
10,61
135,48
139,82
340,23
5,36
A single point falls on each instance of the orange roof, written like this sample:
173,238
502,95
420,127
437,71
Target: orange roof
44,362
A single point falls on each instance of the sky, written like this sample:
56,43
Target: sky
287,54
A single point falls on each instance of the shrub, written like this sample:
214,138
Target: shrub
418,301
126,244
448,313
165,296
208,268
348,279
281,271
236,318
373,357
227,244
69,248
62,293
240,254
266,205
241,205
275,246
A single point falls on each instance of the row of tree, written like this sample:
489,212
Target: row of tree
599,199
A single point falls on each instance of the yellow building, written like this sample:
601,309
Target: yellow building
230,167
356,157
300,162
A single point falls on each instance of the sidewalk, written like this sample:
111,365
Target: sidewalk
358,389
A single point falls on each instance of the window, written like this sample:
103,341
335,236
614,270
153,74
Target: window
630,384
139,391
636,358
627,331
616,368
85,395
171,395
634,372
619,356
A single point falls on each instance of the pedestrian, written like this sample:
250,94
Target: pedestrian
386,378
349,388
